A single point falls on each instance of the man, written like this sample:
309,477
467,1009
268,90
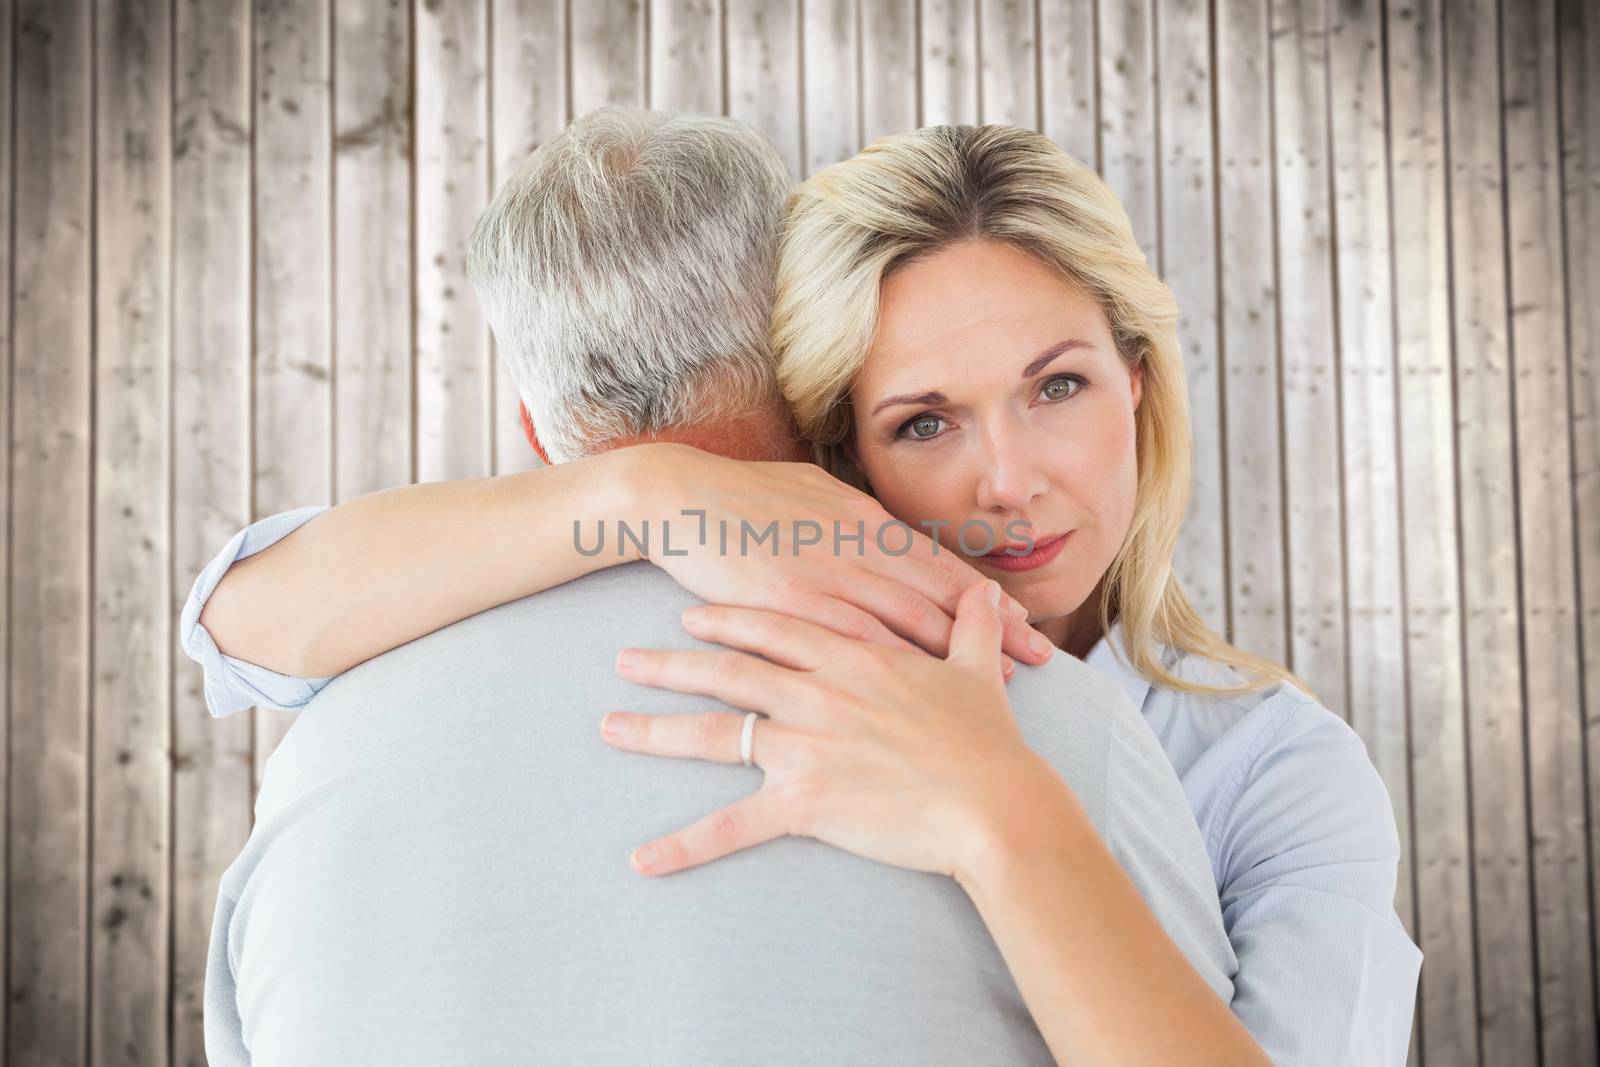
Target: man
438,869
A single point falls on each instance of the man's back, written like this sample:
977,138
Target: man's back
439,873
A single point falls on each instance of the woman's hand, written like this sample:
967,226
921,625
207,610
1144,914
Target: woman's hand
893,756
763,535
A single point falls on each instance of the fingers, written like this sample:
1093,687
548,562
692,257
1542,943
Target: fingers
755,820
792,641
941,581
1023,641
900,607
709,735
731,677
975,638
847,620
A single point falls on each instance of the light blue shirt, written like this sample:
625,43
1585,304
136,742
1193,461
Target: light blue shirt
1296,823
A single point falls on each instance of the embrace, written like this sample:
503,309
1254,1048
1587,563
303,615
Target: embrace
990,791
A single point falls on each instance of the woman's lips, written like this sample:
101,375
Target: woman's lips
1043,552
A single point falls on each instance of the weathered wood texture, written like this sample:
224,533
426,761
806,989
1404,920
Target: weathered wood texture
234,284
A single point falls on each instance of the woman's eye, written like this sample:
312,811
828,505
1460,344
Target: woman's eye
929,427
1056,388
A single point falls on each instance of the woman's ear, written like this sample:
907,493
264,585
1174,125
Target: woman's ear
1136,382
528,432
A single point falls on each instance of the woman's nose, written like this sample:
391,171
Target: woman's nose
1012,473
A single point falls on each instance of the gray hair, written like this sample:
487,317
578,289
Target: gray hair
627,270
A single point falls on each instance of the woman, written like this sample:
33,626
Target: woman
966,329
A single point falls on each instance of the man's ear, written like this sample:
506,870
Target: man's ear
528,432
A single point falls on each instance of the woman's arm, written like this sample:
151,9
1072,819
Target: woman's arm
921,763
1103,981
1308,853
388,567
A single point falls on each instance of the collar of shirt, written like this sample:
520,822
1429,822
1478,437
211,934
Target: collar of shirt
1103,657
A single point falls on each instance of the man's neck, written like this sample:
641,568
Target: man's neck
763,438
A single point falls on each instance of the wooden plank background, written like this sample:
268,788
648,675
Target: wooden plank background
232,284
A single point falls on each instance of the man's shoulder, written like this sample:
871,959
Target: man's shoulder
1072,697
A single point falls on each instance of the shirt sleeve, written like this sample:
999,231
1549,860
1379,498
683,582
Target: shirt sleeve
230,683
1309,855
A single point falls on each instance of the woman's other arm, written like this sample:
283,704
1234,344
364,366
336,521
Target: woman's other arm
388,567
1308,855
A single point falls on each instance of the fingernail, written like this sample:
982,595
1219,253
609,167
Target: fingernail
644,857
1008,666
1040,645
993,593
627,658
611,725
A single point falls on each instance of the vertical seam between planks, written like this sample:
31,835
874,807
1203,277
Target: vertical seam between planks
1038,68
1221,323
10,523
94,443
1287,602
977,56
412,211
1418,1016
1525,711
1461,596
1152,95
490,166
168,593
916,61
1337,322
250,377
800,68
1572,502
1099,139
330,205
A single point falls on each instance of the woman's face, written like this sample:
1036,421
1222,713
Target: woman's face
993,395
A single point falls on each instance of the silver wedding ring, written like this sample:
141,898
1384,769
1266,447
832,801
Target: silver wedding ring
746,736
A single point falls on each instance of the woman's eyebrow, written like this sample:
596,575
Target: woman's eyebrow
1051,353
1039,363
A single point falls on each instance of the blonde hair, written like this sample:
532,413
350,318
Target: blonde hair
908,196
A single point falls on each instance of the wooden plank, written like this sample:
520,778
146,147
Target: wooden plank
453,369
685,56
888,68
293,274
1447,1013
372,243
1188,246
948,90
764,71
1258,591
50,664
129,862
1069,97
1578,39
832,106
608,54
1365,319
211,292
1508,1023
1549,622
7,82
1128,115
1009,89
529,63
1305,315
